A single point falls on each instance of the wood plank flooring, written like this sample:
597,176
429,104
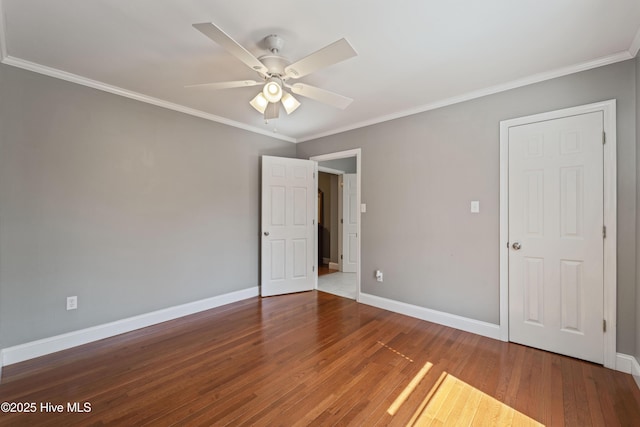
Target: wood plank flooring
323,269
315,359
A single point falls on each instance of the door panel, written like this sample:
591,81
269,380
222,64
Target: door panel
571,203
278,257
287,225
534,199
571,285
349,223
533,290
300,258
556,216
277,202
300,202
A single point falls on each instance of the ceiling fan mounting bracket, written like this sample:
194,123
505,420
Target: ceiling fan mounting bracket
273,43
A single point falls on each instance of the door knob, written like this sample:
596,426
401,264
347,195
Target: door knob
266,233
516,246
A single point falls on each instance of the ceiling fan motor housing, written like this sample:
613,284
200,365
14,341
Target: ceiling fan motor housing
275,64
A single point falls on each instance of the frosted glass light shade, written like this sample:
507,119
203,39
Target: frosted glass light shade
259,103
272,91
289,102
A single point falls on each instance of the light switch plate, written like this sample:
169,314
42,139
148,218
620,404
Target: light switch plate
363,207
475,206
72,303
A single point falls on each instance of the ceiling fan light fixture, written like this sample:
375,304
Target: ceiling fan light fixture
275,70
289,103
272,90
259,103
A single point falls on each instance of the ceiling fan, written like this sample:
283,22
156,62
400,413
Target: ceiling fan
275,72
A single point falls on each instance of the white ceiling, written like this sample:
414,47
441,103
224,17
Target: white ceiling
414,55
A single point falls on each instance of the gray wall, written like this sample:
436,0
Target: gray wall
346,165
637,312
135,208
131,207
419,174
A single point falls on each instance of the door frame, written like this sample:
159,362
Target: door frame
608,109
357,153
341,225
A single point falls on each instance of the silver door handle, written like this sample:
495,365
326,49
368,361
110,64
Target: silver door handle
516,246
266,233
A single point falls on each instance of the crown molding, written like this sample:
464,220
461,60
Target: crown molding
536,78
635,44
74,78
5,58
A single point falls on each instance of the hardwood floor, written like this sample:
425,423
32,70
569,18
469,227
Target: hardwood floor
323,270
314,358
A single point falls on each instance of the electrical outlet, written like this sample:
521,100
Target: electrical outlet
72,303
379,275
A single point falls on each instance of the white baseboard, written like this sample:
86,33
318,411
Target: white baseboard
326,260
454,321
628,365
624,363
30,350
334,266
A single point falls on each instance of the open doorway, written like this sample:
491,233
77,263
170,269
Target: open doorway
339,223
328,221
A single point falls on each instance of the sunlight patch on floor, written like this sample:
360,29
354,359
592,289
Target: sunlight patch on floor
454,402
402,397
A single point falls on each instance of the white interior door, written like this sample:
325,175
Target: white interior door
349,223
288,225
556,235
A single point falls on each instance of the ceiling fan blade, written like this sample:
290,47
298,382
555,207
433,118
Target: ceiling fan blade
210,30
321,95
328,55
225,85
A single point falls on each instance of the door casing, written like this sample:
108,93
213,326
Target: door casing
608,108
